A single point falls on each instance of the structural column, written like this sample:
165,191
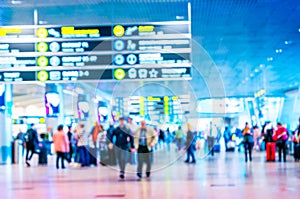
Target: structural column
5,123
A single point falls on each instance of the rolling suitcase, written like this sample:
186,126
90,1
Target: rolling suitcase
43,156
271,151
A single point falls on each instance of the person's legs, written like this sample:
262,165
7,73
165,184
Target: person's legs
188,152
279,151
148,163
250,147
284,151
193,155
147,159
123,160
87,156
140,162
27,153
82,155
246,148
63,157
58,157
70,153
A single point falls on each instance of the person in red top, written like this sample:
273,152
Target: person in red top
61,145
281,136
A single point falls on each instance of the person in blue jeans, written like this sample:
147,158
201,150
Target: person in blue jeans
190,145
82,144
123,143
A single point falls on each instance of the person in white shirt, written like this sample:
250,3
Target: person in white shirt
144,140
82,144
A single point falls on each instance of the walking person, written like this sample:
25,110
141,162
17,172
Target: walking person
61,145
71,143
281,137
31,141
123,143
144,140
190,145
82,145
179,135
248,142
111,149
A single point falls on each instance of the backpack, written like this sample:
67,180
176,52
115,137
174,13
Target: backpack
29,136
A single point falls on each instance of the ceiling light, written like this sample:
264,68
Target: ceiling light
270,59
251,75
278,50
256,70
287,42
43,22
15,2
247,78
299,29
261,65
179,17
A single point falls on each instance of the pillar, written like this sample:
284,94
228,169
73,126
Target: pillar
6,123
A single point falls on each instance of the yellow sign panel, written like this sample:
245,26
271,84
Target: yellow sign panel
260,93
166,105
5,31
142,106
70,30
146,28
153,98
174,98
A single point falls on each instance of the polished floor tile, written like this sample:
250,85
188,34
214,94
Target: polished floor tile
226,175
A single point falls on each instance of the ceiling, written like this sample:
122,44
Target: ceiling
239,46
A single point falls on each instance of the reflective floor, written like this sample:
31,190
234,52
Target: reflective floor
226,175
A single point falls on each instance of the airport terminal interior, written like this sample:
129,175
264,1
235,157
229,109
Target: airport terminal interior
149,99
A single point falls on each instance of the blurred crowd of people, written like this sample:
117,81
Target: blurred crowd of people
128,142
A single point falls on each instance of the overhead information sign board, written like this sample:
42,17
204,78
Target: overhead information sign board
144,51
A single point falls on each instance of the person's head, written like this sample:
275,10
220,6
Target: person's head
129,120
189,126
179,127
43,136
32,125
60,127
81,125
279,124
101,128
122,121
69,128
143,124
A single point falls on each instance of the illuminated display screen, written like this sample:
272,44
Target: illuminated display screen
219,105
115,52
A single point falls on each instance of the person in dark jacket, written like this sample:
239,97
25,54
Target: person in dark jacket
71,143
110,141
123,143
248,141
32,141
190,145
